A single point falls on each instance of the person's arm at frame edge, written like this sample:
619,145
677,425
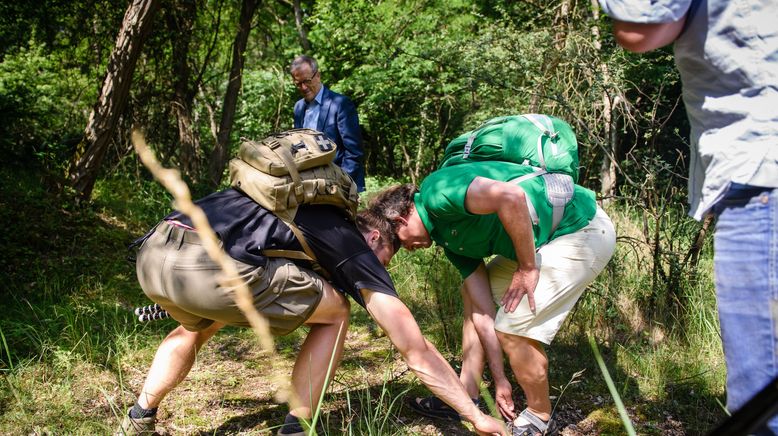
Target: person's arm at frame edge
423,358
644,37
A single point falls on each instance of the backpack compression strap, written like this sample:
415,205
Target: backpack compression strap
544,124
476,132
288,160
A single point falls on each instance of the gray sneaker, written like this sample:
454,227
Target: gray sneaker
533,426
136,426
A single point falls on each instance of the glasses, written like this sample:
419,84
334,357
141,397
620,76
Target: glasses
306,82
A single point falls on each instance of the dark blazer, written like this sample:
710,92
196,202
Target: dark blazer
339,121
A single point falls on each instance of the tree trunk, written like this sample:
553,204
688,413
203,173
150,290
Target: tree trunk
608,166
610,102
221,148
298,21
693,255
113,97
180,20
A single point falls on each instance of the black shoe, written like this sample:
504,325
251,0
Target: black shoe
434,407
291,427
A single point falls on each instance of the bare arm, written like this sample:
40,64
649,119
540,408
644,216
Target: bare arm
485,196
482,312
643,37
424,359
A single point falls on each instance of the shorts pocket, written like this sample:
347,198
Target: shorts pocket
267,284
256,278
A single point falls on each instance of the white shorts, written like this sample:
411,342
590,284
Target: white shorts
567,265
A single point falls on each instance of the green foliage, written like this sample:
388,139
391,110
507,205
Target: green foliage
265,106
137,202
43,106
421,72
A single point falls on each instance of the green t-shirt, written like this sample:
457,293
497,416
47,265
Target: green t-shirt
468,238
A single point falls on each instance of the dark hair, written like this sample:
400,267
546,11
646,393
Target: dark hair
367,220
394,202
304,59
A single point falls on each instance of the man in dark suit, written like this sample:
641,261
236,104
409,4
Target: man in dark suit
329,112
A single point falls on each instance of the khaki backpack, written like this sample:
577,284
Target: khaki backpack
288,169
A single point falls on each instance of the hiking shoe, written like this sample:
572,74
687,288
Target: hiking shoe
531,425
434,407
137,426
291,432
292,426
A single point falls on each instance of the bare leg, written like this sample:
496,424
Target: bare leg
329,323
177,352
530,366
473,356
172,362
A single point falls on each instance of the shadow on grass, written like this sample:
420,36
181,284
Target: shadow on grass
256,411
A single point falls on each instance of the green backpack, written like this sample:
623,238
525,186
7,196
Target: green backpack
544,142
288,169
541,141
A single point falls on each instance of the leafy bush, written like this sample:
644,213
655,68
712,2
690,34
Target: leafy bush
43,106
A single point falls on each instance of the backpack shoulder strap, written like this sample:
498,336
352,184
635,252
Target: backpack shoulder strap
559,191
306,254
533,214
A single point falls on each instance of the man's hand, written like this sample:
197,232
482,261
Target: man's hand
486,425
523,283
504,396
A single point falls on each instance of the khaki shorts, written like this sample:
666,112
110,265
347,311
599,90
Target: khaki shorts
175,272
568,264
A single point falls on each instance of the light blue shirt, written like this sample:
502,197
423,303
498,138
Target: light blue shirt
728,59
312,110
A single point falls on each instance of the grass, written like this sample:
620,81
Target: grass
72,356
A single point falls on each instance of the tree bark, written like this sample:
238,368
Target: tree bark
608,166
180,20
90,152
693,255
221,148
608,181
298,21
